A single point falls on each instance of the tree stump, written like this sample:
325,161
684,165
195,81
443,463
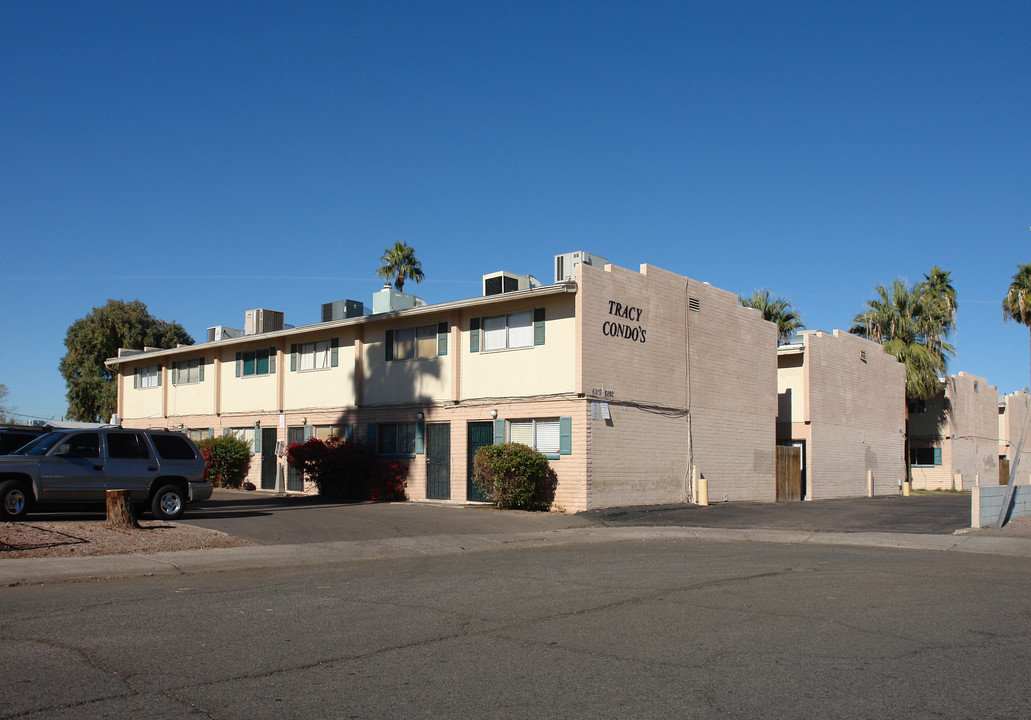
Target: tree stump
120,512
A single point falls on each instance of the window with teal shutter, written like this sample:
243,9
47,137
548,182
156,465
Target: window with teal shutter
293,357
370,434
174,372
565,436
538,326
307,433
499,431
937,456
442,332
200,370
389,345
474,335
420,437
257,438
348,432
334,352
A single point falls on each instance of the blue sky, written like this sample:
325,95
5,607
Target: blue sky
207,158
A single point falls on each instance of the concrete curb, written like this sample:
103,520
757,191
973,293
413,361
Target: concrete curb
191,562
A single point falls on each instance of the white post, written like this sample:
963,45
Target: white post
869,483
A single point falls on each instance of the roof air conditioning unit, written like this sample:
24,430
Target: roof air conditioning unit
341,310
566,262
221,332
262,321
505,282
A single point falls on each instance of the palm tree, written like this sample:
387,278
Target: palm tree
400,264
1017,304
778,311
942,300
911,325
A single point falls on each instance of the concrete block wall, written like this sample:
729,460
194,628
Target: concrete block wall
1013,415
986,502
639,457
732,356
856,404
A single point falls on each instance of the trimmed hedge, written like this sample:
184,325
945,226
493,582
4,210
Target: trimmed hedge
228,459
514,476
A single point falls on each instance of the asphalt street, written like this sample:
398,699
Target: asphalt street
653,628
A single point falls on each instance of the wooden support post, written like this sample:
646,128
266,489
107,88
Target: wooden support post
120,512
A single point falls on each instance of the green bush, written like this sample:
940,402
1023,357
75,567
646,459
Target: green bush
228,458
515,477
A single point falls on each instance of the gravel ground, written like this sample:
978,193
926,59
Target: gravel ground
76,538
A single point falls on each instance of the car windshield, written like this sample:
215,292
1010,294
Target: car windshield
41,445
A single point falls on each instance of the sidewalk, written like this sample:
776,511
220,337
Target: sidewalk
191,562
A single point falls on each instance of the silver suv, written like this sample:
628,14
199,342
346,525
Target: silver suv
162,470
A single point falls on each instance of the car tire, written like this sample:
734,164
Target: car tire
14,500
168,502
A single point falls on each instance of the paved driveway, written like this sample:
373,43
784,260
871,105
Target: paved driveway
938,514
271,520
266,519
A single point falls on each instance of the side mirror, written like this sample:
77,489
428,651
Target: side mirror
63,450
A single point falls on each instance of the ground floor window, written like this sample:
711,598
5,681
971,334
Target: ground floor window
198,435
246,434
925,456
325,432
395,438
542,435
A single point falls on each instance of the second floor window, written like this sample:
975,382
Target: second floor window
504,332
149,376
314,355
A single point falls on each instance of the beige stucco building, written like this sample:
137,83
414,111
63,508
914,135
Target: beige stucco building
954,436
624,379
1014,416
841,401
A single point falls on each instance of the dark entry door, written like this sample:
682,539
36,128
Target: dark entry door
268,458
438,461
294,479
480,434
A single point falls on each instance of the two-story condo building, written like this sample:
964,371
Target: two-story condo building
626,381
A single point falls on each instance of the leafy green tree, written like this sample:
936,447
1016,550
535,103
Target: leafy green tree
1017,303
778,311
92,395
400,264
910,323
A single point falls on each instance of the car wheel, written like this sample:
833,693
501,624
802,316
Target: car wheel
14,500
168,502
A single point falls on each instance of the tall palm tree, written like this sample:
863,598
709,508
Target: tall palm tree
941,300
400,264
910,323
1017,304
778,311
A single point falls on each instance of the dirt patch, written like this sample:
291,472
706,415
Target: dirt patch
81,538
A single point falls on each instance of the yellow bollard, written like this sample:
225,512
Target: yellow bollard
906,488
703,487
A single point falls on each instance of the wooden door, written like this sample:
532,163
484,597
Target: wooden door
789,473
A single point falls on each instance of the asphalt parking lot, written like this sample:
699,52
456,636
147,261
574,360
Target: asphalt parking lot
270,520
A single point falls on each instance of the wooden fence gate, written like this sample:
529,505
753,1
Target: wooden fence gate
789,473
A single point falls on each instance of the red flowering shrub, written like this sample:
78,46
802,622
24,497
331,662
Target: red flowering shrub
348,470
388,481
228,458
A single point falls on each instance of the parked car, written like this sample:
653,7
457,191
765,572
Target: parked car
162,470
13,437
